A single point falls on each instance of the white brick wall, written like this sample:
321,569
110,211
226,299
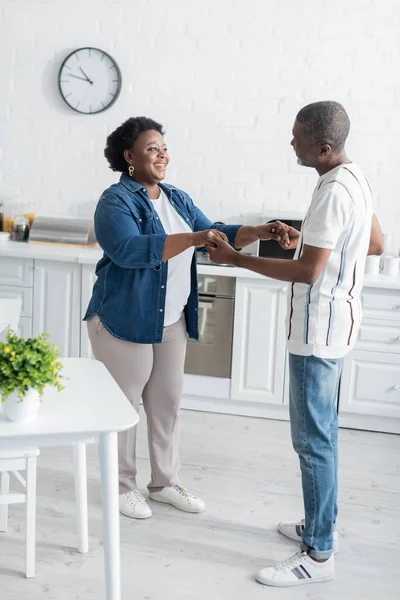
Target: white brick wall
225,77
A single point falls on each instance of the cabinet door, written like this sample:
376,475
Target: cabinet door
57,304
258,358
25,293
25,328
88,280
16,271
381,304
370,384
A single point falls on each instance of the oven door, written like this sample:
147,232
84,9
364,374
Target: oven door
211,354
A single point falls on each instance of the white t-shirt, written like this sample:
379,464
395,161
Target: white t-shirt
324,318
178,281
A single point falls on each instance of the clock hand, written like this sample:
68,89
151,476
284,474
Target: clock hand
77,77
91,82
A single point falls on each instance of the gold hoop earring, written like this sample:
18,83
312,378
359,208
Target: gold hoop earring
131,170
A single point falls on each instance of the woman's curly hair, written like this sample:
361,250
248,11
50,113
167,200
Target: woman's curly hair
123,138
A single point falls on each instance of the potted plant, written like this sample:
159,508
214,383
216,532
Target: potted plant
26,368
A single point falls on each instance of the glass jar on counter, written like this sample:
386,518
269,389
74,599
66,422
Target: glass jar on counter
20,229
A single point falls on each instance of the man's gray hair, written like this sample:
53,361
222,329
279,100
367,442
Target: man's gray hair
325,122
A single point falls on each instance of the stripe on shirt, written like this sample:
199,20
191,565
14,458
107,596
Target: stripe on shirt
355,266
359,183
350,304
307,315
292,297
291,311
338,282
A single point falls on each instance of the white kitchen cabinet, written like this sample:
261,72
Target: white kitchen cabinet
25,293
57,304
371,384
16,271
381,304
259,343
87,283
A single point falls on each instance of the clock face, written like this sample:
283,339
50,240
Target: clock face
89,80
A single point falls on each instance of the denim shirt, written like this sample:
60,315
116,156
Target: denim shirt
129,293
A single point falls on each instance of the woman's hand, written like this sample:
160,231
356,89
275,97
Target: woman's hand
207,238
222,253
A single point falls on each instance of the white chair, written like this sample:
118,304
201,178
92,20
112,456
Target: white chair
13,463
25,460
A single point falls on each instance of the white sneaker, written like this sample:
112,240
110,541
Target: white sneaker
132,504
294,531
180,498
299,569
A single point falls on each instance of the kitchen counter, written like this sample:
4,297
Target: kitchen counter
90,256
40,251
55,285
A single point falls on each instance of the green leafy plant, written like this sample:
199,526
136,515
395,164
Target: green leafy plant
26,364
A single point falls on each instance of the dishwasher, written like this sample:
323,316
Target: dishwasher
211,355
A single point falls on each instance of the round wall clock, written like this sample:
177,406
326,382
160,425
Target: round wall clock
89,80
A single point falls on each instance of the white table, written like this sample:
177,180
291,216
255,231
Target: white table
92,408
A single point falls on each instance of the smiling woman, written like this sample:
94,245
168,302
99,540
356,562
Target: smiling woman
145,300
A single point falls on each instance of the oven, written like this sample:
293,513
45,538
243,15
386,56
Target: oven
211,355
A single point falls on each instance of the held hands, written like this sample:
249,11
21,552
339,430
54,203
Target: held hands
208,238
217,245
222,253
286,236
289,235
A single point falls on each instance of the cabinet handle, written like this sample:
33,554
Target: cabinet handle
284,290
397,340
395,388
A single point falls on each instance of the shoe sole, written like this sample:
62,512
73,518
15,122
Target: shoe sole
294,583
299,540
135,516
188,510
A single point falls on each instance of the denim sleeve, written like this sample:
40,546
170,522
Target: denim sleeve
202,222
119,236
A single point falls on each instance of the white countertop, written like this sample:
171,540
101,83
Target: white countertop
90,256
40,251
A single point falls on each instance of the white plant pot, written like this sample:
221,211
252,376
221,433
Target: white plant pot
22,410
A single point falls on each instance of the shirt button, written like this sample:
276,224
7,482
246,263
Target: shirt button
161,310
157,218
144,190
162,287
140,220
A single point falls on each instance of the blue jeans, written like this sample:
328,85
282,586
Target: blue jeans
314,384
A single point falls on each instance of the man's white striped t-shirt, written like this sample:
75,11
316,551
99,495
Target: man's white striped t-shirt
323,319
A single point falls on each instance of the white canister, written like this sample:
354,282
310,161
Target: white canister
372,265
391,266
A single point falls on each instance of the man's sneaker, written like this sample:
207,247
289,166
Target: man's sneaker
180,498
299,569
132,504
294,531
